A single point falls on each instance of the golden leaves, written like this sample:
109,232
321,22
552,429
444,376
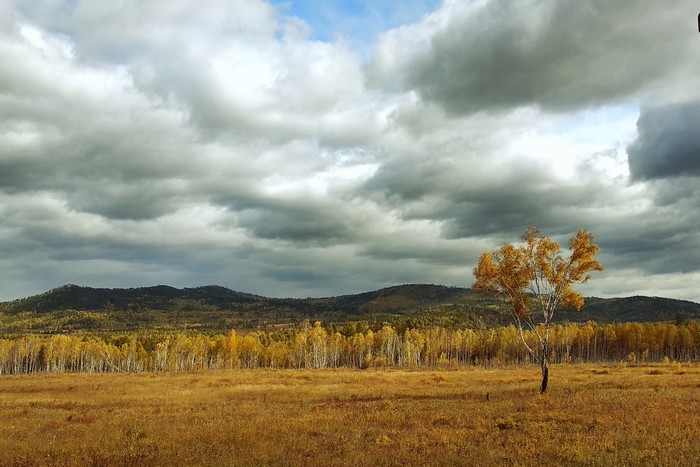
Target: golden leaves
537,268
583,249
571,298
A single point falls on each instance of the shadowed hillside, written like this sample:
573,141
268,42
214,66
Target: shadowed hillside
215,308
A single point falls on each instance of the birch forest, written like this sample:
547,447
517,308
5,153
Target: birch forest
357,345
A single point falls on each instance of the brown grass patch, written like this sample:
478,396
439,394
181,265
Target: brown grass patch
607,416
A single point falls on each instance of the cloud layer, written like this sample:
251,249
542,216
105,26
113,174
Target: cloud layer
246,144
668,144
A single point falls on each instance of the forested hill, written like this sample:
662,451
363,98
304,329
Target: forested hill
216,308
160,297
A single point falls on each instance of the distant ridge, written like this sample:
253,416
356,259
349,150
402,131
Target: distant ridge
460,306
159,297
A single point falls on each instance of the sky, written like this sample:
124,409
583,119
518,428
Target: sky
307,149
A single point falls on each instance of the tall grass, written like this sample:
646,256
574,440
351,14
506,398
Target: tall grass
593,415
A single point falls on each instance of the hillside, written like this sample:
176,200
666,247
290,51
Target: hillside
160,297
216,309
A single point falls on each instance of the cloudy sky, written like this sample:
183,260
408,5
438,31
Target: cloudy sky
301,148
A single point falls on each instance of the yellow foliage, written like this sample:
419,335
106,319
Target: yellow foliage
537,269
319,347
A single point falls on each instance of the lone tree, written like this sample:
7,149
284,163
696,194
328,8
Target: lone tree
534,278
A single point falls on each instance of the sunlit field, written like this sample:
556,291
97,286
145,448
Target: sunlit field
593,414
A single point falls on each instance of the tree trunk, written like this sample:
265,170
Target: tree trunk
545,376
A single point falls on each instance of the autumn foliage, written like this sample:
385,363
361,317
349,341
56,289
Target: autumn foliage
316,346
535,279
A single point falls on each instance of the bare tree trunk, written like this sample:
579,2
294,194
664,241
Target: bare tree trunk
545,376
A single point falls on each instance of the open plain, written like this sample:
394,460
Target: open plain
592,415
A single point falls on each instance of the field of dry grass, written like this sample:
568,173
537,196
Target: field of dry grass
593,415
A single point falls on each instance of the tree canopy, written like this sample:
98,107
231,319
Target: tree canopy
535,279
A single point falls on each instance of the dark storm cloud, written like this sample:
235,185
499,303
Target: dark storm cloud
668,142
557,55
131,170
417,244
299,222
657,241
505,206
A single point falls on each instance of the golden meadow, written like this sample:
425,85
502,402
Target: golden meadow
593,414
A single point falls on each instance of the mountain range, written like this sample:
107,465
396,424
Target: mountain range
215,308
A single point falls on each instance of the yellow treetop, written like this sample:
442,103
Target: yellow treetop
536,270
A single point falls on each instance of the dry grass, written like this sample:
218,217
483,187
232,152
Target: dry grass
593,415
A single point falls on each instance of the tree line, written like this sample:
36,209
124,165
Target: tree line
353,346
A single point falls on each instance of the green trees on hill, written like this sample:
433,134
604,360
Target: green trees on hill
313,346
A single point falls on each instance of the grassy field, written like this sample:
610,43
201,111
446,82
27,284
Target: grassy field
593,415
